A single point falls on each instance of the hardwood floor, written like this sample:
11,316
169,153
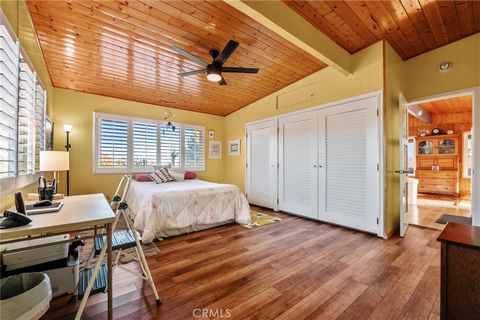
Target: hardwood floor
293,269
430,207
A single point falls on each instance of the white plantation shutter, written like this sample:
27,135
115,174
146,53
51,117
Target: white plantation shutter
40,104
346,160
298,155
351,154
170,146
144,144
126,144
9,59
194,148
26,118
112,144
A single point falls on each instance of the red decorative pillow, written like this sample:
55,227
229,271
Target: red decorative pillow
190,175
142,177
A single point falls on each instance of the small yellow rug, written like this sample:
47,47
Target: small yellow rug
258,219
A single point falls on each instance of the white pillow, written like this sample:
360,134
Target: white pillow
161,176
178,175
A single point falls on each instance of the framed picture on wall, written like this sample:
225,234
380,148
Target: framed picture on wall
215,149
234,147
49,128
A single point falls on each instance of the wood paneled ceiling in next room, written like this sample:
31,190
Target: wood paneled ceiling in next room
412,27
122,49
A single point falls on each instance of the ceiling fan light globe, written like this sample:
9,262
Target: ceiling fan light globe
215,77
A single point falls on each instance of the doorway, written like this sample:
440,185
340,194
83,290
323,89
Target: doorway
439,160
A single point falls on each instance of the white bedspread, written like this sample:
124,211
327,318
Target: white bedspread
167,209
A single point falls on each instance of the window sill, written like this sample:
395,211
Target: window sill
13,184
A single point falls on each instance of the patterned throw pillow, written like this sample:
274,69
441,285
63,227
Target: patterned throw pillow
156,168
161,176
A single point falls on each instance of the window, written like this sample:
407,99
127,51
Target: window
467,155
194,147
40,106
22,114
9,59
411,148
170,142
113,146
144,144
124,144
26,118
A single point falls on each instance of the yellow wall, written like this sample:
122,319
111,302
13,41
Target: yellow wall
329,85
422,75
417,78
394,84
19,18
77,108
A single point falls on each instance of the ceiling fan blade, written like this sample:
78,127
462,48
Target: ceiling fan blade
226,52
189,56
239,70
222,82
189,73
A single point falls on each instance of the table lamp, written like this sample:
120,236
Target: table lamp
54,161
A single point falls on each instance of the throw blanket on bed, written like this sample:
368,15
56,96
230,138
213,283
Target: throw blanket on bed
166,209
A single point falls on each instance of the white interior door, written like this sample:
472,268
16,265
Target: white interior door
298,160
403,164
348,165
262,163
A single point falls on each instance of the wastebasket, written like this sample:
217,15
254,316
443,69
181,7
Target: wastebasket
25,296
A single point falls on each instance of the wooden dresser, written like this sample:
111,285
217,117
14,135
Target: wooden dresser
438,168
460,272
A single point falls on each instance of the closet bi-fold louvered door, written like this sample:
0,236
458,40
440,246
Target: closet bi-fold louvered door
298,149
348,158
262,163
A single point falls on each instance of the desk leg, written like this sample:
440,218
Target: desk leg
109,269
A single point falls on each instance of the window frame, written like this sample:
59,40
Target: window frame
130,168
11,183
464,154
8,183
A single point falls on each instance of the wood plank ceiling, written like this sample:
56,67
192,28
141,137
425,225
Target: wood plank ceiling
448,106
122,49
412,27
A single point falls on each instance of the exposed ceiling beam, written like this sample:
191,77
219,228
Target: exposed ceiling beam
278,17
420,113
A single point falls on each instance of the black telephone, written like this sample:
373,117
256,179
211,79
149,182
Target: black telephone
46,189
16,219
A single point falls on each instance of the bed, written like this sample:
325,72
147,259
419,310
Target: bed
173,208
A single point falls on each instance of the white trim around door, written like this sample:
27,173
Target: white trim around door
475,179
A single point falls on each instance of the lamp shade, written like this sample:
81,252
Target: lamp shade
54,161
67,127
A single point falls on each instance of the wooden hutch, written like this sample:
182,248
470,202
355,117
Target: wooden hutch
438,168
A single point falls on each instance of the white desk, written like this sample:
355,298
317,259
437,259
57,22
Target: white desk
78,213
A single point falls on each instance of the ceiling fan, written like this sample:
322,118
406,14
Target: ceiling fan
214,70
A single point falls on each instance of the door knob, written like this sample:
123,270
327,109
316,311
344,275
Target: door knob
400,171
